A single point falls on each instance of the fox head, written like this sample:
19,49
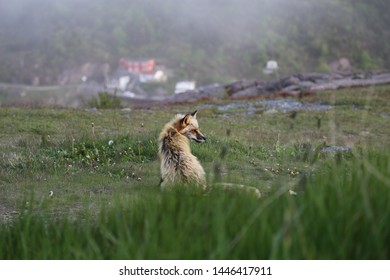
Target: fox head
189,127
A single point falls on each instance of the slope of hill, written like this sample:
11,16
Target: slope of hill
209,41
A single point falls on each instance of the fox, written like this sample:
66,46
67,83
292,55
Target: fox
178,164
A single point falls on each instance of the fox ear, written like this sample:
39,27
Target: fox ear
185,121
194,113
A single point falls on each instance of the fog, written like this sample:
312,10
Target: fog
231,19
206,39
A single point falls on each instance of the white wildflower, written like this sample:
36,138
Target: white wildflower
291,192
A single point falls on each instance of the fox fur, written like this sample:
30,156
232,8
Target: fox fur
178,164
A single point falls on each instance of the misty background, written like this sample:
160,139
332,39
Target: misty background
205,40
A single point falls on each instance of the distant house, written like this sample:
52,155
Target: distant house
184,86
138,66
147,70
131,73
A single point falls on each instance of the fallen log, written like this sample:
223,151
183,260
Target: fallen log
301,84
349,84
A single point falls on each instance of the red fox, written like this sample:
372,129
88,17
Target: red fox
178,164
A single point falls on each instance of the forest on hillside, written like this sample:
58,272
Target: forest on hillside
205,40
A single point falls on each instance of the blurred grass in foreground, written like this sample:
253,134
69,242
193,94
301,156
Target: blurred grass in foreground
342,212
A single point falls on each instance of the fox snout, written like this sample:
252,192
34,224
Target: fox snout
195,135
199,137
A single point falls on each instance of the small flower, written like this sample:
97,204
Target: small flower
291,192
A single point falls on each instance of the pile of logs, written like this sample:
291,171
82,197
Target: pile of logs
301,84
292,86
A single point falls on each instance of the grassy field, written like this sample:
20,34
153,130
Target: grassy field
78,184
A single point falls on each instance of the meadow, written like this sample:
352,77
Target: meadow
83,184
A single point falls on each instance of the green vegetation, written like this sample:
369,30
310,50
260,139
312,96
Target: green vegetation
84,185
343,214
105,100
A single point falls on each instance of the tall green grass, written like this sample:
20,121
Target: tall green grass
340,212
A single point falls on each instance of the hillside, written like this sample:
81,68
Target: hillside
208,41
